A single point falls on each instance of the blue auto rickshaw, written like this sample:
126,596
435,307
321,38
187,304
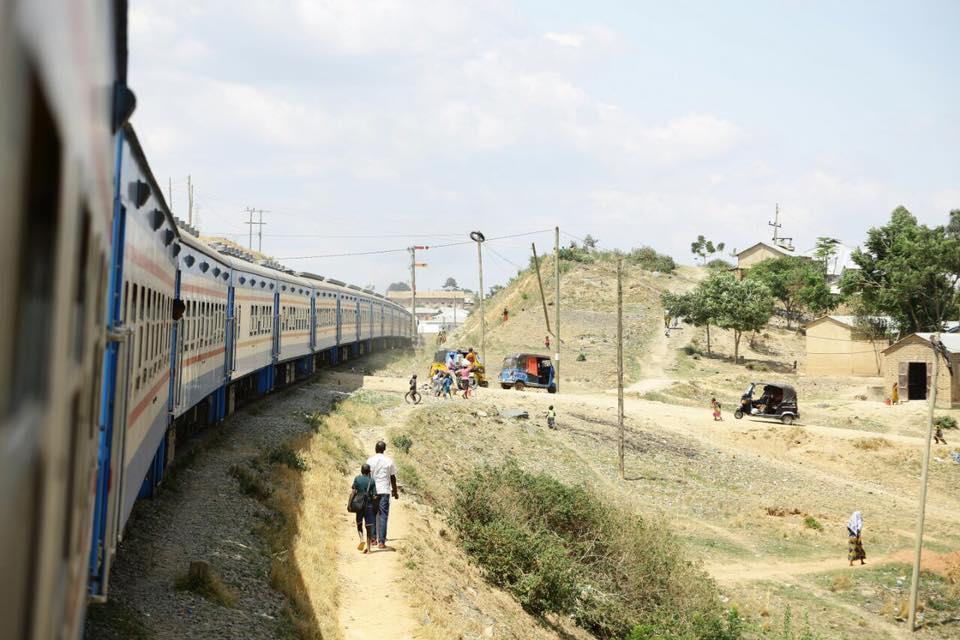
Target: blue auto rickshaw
524,370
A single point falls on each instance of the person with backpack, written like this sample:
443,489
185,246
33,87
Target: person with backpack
363,495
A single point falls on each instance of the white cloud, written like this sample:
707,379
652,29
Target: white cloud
564,39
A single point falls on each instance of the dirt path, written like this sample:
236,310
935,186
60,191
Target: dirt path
373,603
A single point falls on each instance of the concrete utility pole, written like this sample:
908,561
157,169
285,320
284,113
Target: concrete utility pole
189,201
413,287
556,322
250,211
620,445
479,238
915,580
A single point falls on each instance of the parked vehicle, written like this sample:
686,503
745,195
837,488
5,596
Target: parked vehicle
524,370
778,401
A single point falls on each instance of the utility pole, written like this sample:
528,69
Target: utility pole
250,211
189,201
479,238
776,223
556,322
915,580
543,299
413,287
620,444
260,231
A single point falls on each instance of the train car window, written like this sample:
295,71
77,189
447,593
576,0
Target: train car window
37,262
81,267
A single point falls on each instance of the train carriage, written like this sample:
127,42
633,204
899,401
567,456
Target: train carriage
136,383
295,319
254,315
200,338
57,68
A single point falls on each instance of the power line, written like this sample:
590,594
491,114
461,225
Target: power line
435,246
504,258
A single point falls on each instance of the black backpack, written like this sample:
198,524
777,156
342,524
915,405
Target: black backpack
358,501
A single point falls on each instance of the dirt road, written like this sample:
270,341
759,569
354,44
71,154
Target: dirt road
373,601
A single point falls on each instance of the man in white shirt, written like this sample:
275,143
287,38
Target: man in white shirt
384,473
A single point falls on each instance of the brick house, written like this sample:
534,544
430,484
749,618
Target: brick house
909,364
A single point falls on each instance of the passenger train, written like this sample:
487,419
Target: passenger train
118,328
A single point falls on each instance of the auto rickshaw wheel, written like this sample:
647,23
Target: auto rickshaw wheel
518,385
738,414
786,419
552,388
504,385
484,383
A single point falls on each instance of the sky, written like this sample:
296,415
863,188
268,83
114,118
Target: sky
370,125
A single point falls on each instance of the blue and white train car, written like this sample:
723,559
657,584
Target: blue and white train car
295,348
136,384
201,335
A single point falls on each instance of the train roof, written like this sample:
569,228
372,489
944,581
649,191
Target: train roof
136,149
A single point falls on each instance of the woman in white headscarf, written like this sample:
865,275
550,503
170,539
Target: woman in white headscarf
855,543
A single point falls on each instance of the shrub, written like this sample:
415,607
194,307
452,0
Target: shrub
812,523
581,357
575,254
647,258
719,264
203,580
560,549
402,443
946,422
287,456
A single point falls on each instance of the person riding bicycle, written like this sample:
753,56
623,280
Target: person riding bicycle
413,383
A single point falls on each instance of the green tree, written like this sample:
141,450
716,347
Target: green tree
705,249
798,284
693,308
953,227
826,248
742,305
590,243
450,284
398,286
908,271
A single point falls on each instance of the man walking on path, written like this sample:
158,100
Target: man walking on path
384,473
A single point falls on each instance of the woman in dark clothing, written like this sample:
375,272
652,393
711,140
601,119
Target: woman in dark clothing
854,541
364,484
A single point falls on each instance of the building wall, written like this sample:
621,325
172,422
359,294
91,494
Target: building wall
918,350
834,349
757,254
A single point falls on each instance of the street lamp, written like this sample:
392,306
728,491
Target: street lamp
479,238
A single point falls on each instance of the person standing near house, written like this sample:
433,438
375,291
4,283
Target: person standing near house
895,394
546,342
384,474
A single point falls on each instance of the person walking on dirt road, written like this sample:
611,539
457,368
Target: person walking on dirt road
854,541
363,484
717,415
551,417
546,342
938,435
384,474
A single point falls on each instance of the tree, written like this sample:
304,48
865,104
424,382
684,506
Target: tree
450,284
704,248
826,248
909,272
590,243
691,307
398,286
953,227
798,284
740,305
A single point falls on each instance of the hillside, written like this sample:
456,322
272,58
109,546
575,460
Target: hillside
588,322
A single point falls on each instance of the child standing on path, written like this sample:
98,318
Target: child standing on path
717,416
551,417
938,435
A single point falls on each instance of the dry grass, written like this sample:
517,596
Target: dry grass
871,444
203,580
897,606
842,582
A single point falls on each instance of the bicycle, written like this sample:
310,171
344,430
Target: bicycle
412,397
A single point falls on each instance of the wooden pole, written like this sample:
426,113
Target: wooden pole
915,580
620,444
543,298
556,320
